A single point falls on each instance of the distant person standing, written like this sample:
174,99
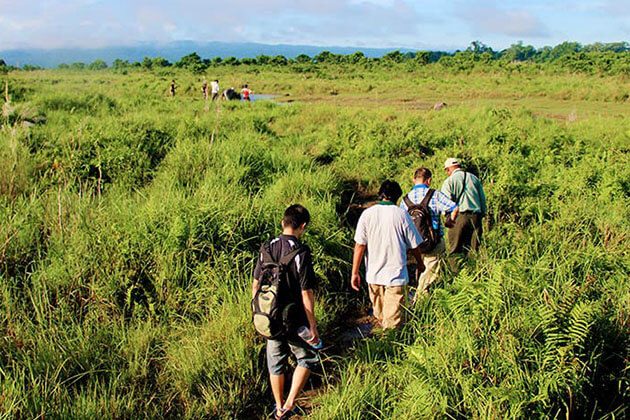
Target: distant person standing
215,89
384,234
437,203
246,93
172,88
466,191
204,89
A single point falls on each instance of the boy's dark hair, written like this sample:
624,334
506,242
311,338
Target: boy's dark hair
296,215
390,190
422,173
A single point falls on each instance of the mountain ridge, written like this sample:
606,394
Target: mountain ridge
173,51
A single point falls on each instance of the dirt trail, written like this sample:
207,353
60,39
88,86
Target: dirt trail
354,326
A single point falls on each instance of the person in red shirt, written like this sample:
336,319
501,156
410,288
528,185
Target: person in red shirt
245,93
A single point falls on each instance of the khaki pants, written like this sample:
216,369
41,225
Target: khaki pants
387,302
432,262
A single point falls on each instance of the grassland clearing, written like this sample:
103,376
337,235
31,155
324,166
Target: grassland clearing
131,221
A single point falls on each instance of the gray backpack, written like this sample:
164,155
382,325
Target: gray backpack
271,318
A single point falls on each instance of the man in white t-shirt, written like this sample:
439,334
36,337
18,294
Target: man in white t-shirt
214,85
384,234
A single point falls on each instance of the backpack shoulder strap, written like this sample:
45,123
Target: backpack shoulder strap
427,198
286,259
265,252
410,204
459,197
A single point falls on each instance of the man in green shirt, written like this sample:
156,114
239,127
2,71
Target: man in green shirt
466,191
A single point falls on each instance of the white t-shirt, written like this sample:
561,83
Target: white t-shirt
215,87
388,232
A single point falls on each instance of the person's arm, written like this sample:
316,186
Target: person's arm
418,255
447,188
454,213
414,240
255,287
308,299
482,198
447,206
257,273
360,246
357,256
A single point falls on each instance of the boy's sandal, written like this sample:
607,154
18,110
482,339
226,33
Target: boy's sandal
295,411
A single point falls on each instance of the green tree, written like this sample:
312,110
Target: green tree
394,56
303,59
325,57
160,62
616,47
566,48
231,61
356,58
147,63
279,60
119,64
422,57
518,52
478,47
263,59
191,62
98,65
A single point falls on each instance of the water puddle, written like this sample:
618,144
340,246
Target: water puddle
255,97
262,96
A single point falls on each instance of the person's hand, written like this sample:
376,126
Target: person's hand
315,334
355,281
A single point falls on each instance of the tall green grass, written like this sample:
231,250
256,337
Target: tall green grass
130,222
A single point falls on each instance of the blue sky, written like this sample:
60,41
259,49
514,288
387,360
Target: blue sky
419,24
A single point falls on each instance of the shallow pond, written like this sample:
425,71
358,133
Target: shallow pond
262,96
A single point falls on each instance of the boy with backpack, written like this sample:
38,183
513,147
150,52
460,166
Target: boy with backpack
425,205
283,301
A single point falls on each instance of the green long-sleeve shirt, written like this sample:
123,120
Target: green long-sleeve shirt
473,199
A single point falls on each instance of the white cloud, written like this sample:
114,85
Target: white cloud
54,23
389,23
490,18
616,7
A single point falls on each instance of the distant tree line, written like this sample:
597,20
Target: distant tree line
607,58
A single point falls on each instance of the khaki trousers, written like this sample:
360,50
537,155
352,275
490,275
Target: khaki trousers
387,302
432,262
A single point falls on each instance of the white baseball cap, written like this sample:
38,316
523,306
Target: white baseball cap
451,162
